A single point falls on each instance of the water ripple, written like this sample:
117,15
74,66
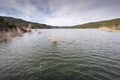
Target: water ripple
77,56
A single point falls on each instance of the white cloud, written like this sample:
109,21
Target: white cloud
62,12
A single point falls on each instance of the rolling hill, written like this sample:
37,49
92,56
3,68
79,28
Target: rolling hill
16,21
108,23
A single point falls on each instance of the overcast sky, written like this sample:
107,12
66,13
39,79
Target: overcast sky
61,12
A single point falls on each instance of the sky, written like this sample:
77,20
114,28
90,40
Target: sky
61,12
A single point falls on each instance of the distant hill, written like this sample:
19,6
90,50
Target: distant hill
16,21
108,23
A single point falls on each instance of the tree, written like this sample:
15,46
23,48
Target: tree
2,23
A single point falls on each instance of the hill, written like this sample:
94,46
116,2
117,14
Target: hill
108,23
16,21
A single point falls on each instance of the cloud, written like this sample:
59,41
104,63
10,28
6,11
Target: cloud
61,12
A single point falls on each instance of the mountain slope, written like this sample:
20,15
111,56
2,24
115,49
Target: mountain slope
108,23
16,21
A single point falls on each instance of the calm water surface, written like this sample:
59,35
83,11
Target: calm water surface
80,54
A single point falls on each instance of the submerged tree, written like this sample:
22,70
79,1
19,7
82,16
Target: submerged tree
29,26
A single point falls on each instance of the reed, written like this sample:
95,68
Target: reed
7,35
53,39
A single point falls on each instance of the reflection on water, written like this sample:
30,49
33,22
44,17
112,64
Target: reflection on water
80,54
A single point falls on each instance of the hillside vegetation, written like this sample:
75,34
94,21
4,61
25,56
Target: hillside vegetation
20,22
108,23
10,27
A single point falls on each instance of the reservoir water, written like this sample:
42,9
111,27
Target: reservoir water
79,54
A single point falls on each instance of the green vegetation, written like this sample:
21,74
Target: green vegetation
5,26
10,27
22,23
109,23
10,22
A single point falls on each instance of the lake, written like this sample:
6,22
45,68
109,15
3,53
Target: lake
79,54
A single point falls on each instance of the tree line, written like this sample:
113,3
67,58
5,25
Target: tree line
5,26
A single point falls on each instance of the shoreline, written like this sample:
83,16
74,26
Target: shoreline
107,29
8,35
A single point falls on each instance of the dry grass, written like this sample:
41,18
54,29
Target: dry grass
53,39
113,29
7,35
